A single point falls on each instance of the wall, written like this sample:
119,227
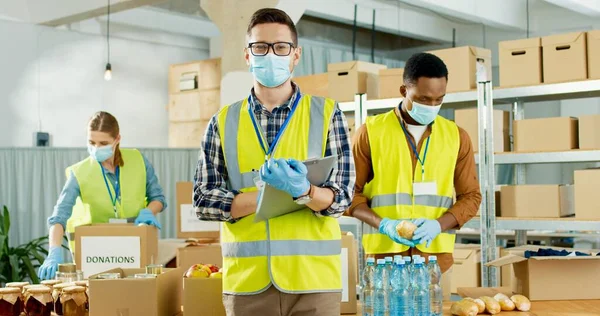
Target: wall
52,80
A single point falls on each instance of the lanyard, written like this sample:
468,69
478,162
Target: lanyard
258,130
414,148
117,189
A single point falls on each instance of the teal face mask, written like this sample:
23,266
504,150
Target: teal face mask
101,154
270,70
424,114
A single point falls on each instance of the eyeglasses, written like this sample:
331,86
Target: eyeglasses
279,48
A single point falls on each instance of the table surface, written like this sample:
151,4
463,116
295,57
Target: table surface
549,308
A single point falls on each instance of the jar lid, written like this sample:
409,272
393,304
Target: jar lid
17,284
10,290
32,286
63,285
51,282
82,283
39,290
67,267
74,289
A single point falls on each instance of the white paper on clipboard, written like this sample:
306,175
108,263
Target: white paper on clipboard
275,203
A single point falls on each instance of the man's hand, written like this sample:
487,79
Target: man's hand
427,230
287,175
388,227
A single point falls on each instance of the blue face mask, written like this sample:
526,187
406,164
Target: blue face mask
101,154
270,70
424,114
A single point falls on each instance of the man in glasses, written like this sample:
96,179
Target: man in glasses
288,265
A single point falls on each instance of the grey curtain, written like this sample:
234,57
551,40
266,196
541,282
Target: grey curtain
32,178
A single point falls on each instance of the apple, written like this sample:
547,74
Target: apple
213,268
198,271
217,275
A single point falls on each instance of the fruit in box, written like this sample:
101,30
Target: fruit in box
217,275
203,271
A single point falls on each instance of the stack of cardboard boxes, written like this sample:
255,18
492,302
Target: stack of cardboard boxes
550,59
194,97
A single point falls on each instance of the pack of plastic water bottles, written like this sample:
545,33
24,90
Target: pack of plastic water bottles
402,286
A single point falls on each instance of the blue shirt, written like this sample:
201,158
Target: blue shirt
70,193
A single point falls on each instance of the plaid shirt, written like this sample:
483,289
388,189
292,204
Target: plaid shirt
212,198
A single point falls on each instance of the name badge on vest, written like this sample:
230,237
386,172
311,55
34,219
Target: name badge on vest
117,221
425,188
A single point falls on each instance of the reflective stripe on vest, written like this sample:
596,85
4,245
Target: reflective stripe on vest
239,180
391,190
256,255
94,204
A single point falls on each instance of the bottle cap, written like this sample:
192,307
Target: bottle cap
370,260
380,261
397,257
415,257
389,259
406,258
433,258
399,261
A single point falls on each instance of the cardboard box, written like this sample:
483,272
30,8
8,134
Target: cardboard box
593,54
587,204
188,224
389,82
554,278
589,132
187,134
194,105
466,270
160,296
530,201
520,62
101,247
560,134
349,259
564,57
206,73
508,273
209,253
314,84
567,200
203,297
349,78
469,121
462,66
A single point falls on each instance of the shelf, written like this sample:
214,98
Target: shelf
544,92
554,224
347,106
545,157
548,92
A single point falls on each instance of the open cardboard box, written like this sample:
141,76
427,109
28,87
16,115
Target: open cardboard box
203,297
208,253
160,296
554,278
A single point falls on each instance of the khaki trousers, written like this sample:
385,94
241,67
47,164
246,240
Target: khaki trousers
273,302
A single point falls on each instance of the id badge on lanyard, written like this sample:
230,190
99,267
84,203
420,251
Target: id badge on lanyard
423,187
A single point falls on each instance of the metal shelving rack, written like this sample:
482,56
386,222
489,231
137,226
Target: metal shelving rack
517,97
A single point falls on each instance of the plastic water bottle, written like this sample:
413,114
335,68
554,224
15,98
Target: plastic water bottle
382,286
396,257
389,264
421,304
401,298
435,288
368,286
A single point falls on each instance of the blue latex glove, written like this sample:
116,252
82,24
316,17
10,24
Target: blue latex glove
427,230
147,217
388,227
48,269
287,175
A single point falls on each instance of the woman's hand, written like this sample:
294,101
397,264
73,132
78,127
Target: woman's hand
147,217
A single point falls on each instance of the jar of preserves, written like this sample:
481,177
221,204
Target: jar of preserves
85,284
26,289
11,302
56,292
20,286
50,283
73,300
67,272
38,301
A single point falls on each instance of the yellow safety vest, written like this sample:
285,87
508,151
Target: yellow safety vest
391,190
298,252
94,205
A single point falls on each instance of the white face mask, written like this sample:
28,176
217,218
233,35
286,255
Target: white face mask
424,114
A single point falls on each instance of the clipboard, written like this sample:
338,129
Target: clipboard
275,203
